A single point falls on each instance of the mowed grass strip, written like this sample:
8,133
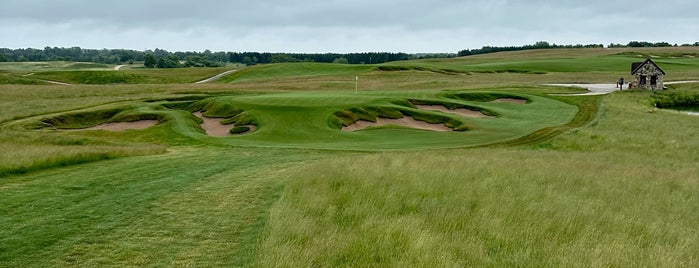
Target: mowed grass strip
204,207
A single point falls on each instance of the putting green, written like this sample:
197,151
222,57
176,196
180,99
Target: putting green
307,119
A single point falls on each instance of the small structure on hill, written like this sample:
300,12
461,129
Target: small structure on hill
647,75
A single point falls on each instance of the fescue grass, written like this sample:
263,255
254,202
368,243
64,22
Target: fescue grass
619,192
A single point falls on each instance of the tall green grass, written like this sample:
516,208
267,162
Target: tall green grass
619,192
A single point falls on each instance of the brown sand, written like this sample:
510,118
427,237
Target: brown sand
123,126
405,122
213,126
461,111
511,100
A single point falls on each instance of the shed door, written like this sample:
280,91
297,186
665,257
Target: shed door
653,80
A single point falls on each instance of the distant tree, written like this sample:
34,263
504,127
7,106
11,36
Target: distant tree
280,57
3,58
149,60
247,61
169,61
341,60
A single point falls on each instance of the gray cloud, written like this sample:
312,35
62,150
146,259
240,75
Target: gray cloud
342,26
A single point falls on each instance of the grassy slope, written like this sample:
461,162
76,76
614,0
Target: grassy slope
616,195
131,76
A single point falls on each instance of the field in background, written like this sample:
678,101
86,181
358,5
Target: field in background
618,186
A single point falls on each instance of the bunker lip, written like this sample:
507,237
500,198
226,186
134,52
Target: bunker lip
123,126
214,128
460,111
510,100
406,121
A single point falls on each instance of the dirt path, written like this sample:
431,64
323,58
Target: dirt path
116,68
602,89
55,82
215,77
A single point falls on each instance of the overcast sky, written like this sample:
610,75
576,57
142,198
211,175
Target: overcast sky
341,26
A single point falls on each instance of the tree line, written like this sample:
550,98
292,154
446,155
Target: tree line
649,44
160,58
537,45
546,45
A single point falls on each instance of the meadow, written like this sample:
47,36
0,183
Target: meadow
590,181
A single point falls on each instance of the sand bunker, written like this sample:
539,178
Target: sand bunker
123,126
461,111
213,126
405,122
511,100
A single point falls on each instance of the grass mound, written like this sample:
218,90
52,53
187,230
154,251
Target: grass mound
79,120
371,113
218,108
453,105
93,77
398,68
239,129
484,96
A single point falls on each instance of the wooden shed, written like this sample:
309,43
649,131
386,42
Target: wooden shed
647,75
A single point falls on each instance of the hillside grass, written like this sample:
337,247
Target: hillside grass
591,181
131,76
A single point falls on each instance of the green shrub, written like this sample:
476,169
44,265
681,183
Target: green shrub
677,100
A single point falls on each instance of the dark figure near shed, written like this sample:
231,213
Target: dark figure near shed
621,83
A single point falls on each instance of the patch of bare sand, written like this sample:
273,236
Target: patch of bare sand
123,126
461,111
405,122
511,100
213,126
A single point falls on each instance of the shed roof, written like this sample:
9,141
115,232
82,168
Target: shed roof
637,66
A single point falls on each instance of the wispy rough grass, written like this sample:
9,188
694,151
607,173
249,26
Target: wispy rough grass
19,158
620,192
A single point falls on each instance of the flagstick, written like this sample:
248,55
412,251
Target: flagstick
356,87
